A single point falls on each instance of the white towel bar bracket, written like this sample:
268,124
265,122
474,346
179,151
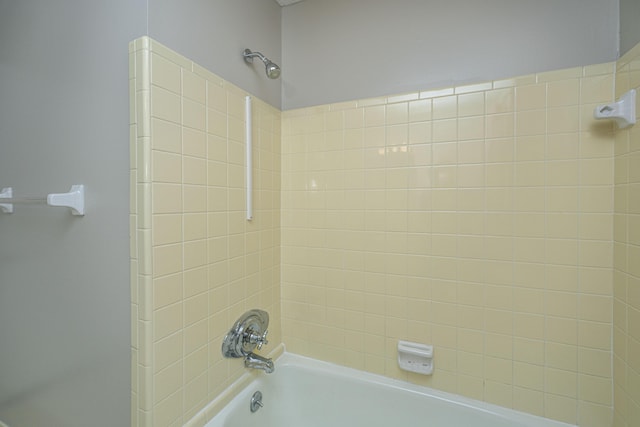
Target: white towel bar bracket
74,199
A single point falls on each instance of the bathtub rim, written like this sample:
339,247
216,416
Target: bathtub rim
329,368
283,358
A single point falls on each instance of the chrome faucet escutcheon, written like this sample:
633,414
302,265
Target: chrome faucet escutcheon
248,333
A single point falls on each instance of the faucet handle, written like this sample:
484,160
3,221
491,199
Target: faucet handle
259,339
263,340
247,333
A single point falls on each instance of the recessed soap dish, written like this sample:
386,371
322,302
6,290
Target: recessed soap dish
415,357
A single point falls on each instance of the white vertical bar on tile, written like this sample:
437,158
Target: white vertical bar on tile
249,161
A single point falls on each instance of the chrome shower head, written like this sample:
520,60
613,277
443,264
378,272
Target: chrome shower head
271,69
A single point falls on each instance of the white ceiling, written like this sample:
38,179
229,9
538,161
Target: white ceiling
287,2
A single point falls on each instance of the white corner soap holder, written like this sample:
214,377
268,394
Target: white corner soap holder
623,112
415,357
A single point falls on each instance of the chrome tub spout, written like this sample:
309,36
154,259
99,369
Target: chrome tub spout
256,361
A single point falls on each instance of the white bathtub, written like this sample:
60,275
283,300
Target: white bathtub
304,392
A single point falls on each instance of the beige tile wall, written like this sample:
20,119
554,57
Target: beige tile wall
197,264
626,308
478,219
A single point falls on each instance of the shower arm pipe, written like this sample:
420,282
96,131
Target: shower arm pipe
249,156
249,55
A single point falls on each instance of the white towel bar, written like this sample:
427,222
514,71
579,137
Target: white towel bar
74,199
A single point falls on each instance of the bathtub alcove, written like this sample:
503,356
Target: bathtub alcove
310,393
476,218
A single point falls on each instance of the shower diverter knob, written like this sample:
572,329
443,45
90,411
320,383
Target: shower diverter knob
249,331
260,340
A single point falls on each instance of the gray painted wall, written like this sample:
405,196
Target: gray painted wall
336,50
214,33
64,115
64,280
629,25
